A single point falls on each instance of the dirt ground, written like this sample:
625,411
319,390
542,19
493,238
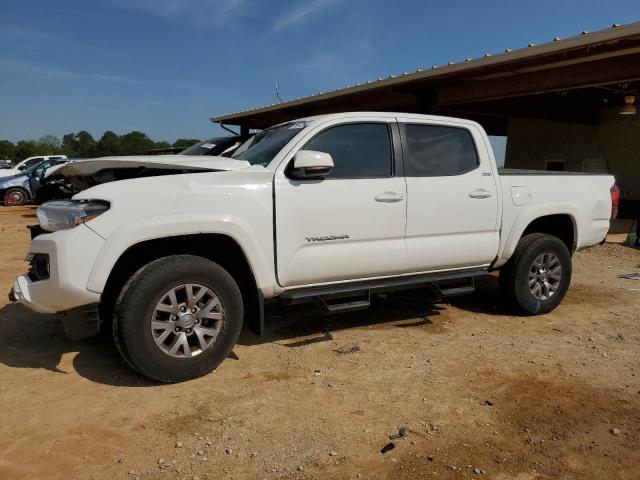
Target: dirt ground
481,392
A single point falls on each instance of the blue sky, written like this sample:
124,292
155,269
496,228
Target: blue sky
166,66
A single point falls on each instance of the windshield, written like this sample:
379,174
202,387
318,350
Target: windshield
265,145
200,148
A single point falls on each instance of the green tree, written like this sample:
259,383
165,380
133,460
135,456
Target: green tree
70,145
86,145
108,144
7,150
134,143
83,145
185,142
25,149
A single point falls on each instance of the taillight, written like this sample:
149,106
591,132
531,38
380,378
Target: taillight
615,201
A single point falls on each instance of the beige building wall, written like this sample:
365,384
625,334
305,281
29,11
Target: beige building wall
612,145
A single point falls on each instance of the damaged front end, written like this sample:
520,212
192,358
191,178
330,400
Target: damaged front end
84,174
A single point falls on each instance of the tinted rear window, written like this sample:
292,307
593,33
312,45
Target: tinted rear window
436,151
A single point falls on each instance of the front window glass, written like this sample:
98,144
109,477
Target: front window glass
358,150
40,170
264,146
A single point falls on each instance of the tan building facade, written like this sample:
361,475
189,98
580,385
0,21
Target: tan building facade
611,145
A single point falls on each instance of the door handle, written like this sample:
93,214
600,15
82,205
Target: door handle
480,193
388,197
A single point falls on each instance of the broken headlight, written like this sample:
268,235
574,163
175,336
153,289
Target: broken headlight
65,214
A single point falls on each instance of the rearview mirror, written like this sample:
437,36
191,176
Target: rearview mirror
311,164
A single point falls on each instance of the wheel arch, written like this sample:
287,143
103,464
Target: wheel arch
561,225
217,247
560,222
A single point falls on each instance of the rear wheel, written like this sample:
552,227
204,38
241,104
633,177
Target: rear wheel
15,196
178,318
537,276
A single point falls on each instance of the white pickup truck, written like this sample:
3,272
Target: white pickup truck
331,208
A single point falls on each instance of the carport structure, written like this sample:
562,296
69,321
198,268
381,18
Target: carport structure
569,104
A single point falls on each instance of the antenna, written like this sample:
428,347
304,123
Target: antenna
278,93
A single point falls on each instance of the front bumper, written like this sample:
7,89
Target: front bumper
21,292
71,257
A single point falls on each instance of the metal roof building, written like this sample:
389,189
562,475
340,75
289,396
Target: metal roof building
494,86
558,103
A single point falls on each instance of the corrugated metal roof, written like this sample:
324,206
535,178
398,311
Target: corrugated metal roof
613,33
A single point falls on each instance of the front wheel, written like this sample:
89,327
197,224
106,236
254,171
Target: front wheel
537,276
178,318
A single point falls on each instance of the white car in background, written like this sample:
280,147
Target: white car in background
29,162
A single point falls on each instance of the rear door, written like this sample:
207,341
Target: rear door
350,224
452,207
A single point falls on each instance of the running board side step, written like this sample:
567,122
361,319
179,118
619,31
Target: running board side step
357,295
346,306
457,291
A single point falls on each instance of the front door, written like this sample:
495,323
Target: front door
350,224
36,177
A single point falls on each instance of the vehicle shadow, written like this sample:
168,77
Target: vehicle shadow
297,326
409,308
488,298
32,340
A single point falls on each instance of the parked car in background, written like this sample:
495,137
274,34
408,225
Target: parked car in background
23,187
329,209
165,151
28,163
218,146
5,164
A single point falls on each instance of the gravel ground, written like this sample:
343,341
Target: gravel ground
479,391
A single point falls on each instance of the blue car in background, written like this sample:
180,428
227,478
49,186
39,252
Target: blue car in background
22,188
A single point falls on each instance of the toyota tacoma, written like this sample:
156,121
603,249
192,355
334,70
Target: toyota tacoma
333,209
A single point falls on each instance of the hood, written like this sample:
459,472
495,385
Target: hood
87,173
9,172
171,162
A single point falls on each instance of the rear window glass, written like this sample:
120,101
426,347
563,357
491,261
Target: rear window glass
437,151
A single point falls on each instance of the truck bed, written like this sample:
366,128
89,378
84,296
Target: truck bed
530,194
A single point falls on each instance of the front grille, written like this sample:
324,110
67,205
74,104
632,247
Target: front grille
39,267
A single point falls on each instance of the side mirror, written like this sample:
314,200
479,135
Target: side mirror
311,164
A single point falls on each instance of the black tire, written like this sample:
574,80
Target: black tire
16,196
514,276
135,307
